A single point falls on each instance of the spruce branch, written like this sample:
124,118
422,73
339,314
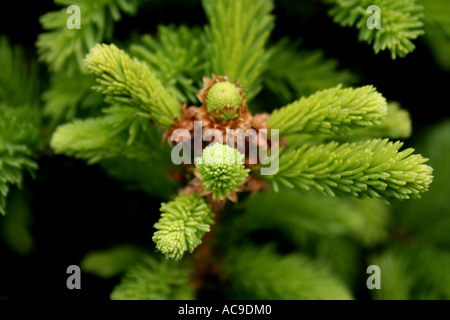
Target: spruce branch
305,218
413,273
177,58
94,140
155,279
236,36
331,111
130,82
401,22
63,48
397,124
293,72
182,225
222,169
369,169
261,273
124,119
20,119
71,96
19,138
330,230
435,144
14,160
20,125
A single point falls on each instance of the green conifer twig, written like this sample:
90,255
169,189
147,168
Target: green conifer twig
236,37
130,82
155,279
182,225
400,23
331,111
369,169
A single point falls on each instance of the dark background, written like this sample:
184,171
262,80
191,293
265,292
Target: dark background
77,208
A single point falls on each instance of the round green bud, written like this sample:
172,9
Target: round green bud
222,169
223,101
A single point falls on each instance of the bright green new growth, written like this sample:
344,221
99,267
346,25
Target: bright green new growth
177,57
155,279
236,36
369,169
331,111
95,139
223,101
20,119
182,225
222,169
400,23
130,82
233,45
19,136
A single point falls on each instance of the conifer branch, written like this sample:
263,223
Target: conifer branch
306,217
331,111
155,279
94,140
176,57
182,225
397,124
435,144
71,96
14,160
63,48
20,119
123,119
261,273
236,37
401,22
369,169
293,72
20,126
413,273
130,82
